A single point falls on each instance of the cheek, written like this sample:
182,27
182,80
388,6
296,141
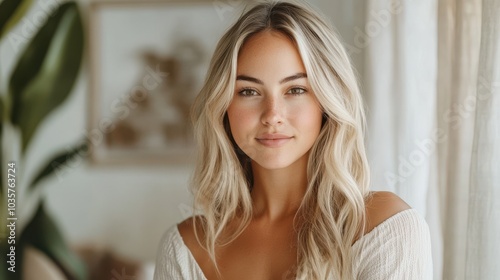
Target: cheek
309,118
240,120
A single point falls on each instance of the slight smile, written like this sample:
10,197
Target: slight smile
273,140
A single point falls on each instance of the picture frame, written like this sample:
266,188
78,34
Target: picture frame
148,60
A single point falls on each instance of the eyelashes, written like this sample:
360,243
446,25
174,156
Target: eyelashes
247,92
297,91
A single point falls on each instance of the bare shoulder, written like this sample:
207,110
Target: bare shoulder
187,231
381,206
185,227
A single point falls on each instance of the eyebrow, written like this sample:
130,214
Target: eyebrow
284,80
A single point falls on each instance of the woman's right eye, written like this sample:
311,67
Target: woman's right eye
248,92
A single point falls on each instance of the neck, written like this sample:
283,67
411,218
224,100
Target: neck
277,193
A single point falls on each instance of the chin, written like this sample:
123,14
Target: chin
274,164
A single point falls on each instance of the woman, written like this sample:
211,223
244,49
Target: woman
282,176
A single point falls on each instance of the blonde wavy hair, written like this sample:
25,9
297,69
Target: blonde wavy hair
332,212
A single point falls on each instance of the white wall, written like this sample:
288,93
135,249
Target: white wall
128,208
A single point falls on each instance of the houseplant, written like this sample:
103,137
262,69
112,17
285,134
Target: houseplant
40,82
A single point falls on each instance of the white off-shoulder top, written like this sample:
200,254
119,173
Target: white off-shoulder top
398,248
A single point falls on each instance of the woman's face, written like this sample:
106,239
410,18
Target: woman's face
274,116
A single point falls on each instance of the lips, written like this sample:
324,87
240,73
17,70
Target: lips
273,140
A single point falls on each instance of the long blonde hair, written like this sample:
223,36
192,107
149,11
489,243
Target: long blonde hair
332,213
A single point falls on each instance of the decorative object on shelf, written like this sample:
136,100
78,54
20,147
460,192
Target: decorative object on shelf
148,61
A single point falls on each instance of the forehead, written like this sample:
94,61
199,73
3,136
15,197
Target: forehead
269,51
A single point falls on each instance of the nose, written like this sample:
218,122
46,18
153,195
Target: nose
273,112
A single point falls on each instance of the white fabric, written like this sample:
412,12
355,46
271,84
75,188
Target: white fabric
469,158
483,249
432,82
400,41
400,92
398,248
460,26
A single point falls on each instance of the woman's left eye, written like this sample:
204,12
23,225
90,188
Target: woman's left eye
297,91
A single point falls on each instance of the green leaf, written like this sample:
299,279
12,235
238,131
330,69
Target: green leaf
11,11
56,163
43,234
47,70
2,110
1,145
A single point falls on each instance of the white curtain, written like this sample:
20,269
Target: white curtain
400,87
432,85
483,240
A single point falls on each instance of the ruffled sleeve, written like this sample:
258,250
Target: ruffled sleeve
398,248
174,260
167,265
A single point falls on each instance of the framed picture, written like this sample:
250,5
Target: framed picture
148,60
